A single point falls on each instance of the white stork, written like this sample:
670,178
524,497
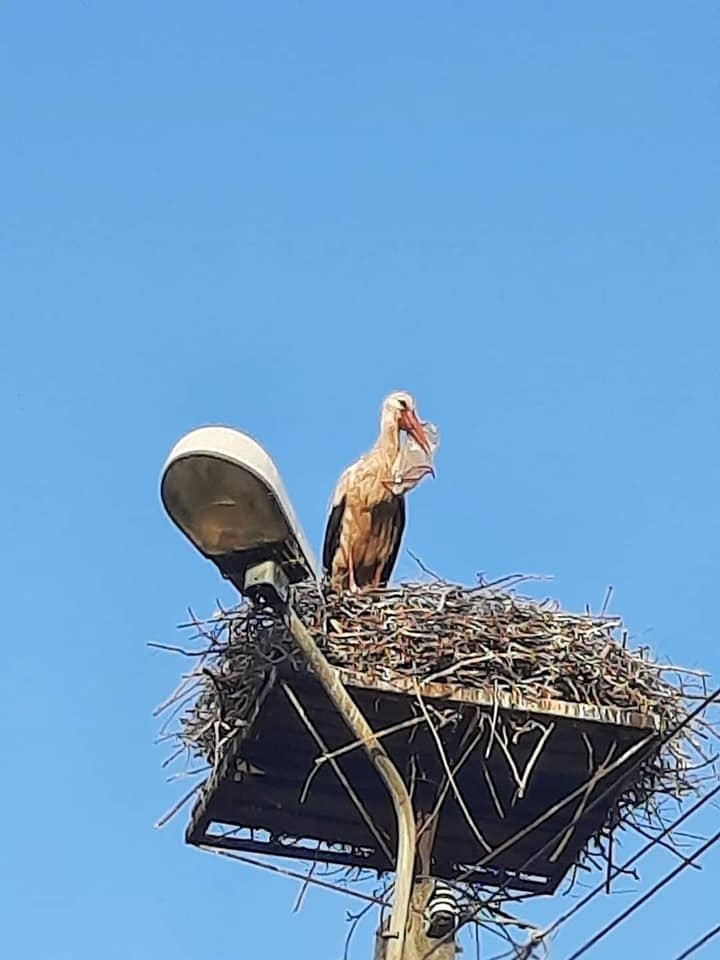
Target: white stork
367,516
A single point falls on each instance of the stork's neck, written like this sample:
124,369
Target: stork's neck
387,444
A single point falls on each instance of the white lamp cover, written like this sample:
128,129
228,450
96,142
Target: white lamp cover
225,493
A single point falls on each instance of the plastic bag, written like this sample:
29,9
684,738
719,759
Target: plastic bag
412,464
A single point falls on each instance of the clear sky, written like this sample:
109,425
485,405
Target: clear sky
269,215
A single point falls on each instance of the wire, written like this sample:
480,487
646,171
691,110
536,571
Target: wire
699,943
616,871
644,898
653,746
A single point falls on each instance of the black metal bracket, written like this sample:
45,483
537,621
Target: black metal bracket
267,586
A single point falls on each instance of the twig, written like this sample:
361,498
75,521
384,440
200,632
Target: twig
324,757
368,820
166,817
306,884
449,774
294,875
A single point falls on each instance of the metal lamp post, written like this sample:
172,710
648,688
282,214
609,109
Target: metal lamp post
223,491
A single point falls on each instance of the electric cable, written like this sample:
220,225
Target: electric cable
699,943
669,735
621,917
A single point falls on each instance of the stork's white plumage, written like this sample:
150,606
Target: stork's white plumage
367,516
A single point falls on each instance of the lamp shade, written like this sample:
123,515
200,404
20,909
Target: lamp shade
224,492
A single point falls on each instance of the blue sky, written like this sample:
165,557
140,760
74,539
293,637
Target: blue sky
270,215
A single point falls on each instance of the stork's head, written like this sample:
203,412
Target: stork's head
399,411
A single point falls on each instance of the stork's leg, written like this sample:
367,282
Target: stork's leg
377,577
351,576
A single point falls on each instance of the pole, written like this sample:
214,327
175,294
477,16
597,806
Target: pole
266,583
418,945
422,942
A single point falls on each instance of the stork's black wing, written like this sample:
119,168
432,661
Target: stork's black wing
394,522
332,534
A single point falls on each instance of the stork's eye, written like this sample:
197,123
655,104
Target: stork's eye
403,404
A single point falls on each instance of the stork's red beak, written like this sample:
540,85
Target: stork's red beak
409,422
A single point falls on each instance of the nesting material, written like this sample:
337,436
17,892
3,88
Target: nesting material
412,463
486,636
478,636
483,636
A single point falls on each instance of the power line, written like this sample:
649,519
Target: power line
616,871
651,747
644,898
699,943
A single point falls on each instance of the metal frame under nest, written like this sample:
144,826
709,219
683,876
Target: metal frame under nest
520,784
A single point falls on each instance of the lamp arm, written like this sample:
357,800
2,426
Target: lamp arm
266,584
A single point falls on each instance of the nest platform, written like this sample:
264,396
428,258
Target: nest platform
527,736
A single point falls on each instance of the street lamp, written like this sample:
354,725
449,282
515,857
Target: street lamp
226,495
224,492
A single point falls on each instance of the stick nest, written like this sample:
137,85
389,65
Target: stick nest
482,636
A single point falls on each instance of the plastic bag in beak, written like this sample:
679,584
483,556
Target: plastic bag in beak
412,464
